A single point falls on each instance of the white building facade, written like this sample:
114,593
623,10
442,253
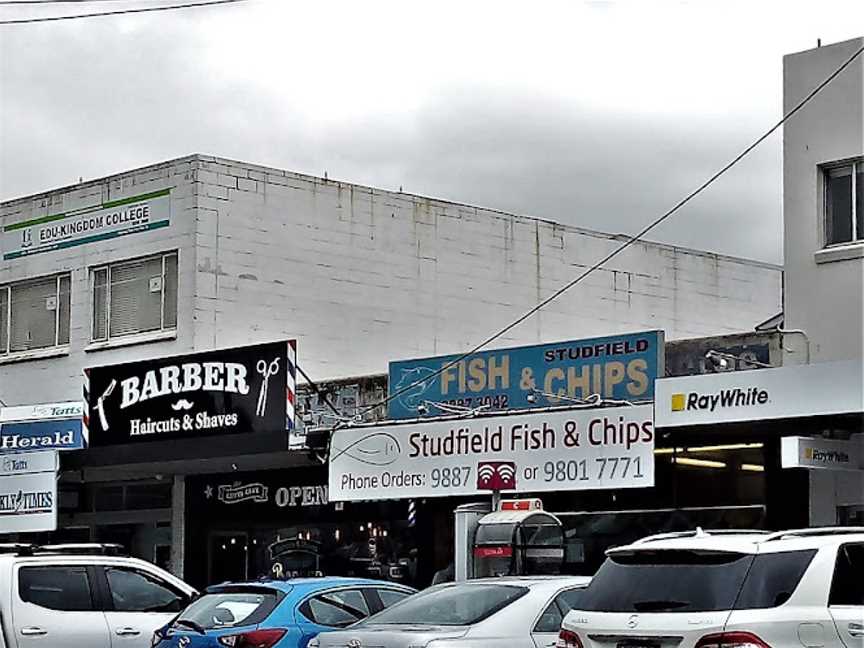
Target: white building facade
202,253
823,211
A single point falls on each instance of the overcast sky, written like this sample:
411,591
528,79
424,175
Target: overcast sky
598,114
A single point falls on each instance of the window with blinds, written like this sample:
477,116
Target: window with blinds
132,297
34,314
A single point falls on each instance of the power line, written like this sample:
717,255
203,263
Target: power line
12,3
118,12
630,241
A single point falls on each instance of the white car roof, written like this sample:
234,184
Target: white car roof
745,541
554,582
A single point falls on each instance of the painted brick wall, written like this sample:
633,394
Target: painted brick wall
361,275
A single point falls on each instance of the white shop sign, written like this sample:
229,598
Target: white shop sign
547,451
826,454
28,492
797,391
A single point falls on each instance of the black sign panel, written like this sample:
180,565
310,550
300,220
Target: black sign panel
228,391
270,492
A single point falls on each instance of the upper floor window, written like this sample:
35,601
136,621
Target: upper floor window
137,296
844,203
34,314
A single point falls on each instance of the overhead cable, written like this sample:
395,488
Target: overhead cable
119,12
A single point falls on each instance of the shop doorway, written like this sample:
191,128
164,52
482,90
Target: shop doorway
229,557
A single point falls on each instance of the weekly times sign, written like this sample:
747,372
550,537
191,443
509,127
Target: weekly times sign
619,367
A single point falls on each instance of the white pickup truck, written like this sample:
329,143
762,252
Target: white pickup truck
83,596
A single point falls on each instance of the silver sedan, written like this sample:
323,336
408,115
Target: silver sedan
485,613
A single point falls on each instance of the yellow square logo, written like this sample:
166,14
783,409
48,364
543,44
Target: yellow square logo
677,402
808,454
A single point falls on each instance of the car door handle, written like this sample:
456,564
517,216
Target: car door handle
127,632
856,629
33,631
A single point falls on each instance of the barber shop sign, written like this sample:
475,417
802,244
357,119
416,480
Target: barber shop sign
245,389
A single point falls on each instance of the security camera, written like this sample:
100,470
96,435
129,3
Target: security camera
422,409
531,398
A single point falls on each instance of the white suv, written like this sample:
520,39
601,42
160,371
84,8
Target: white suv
83,596
726,589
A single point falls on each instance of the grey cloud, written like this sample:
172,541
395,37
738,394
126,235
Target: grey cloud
94,101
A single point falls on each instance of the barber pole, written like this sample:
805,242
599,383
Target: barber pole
290,384
85,411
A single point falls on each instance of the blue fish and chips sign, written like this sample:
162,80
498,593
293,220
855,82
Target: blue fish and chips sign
54,426
617,367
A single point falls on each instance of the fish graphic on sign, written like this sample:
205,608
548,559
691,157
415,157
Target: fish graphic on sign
377,449
416,382
496,475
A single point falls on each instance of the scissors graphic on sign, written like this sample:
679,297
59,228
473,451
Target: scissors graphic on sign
265,371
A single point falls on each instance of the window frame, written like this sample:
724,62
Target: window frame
108,267
841,551
375,592
7,353
107,595
856,165
87,569
305,607
556,602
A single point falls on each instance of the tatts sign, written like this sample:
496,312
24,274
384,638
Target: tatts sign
620,367
246,389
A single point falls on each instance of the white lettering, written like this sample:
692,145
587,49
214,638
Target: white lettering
213,375
150,389
170,380
131,395
192,377
235,378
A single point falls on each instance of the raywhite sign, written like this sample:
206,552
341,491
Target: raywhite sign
826,454
28,492
547,451
785,392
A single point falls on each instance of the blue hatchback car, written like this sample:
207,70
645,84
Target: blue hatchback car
276,613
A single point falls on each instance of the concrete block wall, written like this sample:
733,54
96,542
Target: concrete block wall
829,129
362,275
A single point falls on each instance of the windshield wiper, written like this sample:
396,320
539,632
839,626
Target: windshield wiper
658,606
189,623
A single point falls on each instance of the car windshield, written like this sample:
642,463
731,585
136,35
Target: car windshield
451,605
226,609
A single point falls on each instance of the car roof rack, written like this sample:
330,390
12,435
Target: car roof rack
15,547
814,532
70,549
699,532
83,549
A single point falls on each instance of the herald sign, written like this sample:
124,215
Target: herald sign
575,449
